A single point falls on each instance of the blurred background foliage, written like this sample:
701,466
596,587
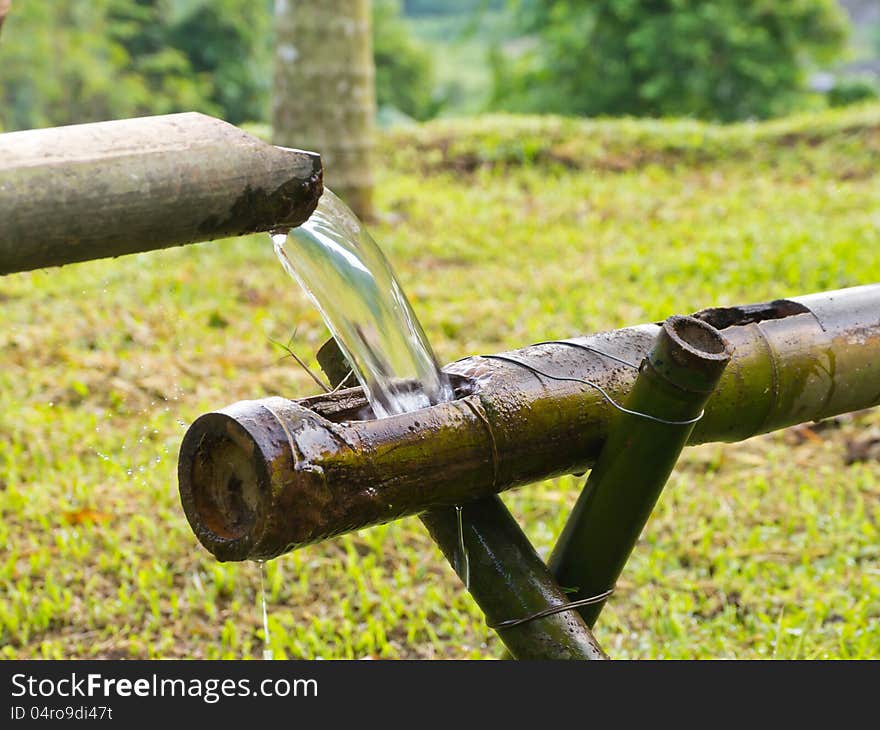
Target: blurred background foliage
67,61
722,59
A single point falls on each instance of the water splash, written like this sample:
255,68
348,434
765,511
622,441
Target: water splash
350,281
268,655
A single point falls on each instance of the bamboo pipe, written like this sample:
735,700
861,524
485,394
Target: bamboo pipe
500,567
260,478
674,383
90,191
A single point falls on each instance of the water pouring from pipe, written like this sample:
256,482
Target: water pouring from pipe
349,280
347,277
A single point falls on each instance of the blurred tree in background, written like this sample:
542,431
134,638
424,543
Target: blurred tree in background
449,7
404,67
68,61
229,42
713,59
325,93
4,8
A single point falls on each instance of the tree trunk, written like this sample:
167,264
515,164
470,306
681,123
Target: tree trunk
324,96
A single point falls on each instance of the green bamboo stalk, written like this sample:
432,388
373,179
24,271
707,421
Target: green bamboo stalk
509,581
495,560
90,191
260,478
674,383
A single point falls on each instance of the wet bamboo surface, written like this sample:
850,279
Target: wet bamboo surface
260,478
510,582
495,560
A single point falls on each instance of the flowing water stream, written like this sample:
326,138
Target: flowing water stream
352,284
350,281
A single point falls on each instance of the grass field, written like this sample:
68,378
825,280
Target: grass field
504,231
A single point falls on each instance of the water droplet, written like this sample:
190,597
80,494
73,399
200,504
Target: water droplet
462,558
267,643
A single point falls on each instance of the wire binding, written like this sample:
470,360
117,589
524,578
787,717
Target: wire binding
596,386
590,348
511,623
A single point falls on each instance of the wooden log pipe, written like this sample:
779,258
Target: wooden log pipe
90,191
260,478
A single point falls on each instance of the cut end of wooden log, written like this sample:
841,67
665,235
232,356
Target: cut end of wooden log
232,463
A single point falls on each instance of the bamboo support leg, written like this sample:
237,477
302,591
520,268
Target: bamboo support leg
674,384
508,580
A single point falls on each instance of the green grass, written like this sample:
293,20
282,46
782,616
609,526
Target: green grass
503,231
